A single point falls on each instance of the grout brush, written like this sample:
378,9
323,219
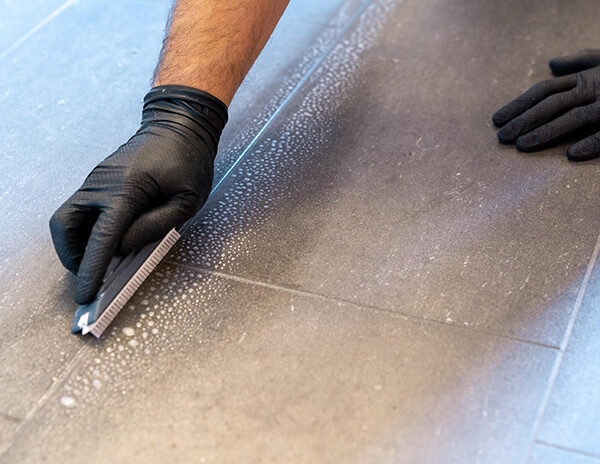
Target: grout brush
123,277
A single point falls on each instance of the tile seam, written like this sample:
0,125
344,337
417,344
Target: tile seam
361,306
563,346
299,85
79,354
31,32
43,398
565,448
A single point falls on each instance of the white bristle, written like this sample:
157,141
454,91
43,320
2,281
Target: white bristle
111,311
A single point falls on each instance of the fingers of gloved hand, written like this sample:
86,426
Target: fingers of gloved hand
101,246
580,61
532,97
154,224
70,227
562,126
585,149
542,113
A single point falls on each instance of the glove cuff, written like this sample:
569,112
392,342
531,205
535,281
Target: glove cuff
179,105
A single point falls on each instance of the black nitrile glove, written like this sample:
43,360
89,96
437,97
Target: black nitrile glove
557,108
154,182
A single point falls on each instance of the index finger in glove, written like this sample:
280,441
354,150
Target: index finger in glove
70,228
532,97
580,61
101,246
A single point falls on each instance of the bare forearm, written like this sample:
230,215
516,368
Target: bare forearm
211,44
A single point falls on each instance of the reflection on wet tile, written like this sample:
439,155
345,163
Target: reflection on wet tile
208,367
18,19
376,186
297,43
573,412
8,429
70,103
547,455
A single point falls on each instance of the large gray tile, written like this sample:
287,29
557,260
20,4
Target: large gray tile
572,417
8,429
19,19
383,183
73,93
208,369
66,90
306,30
548,455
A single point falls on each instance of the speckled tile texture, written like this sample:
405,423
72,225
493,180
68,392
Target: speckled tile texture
383,184
70,94
224,371
374,279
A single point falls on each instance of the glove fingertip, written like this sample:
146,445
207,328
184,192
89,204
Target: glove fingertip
577,155
505,137
557,66
86,291
525,144
499,119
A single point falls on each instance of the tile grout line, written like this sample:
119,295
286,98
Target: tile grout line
329,25
73,363
563,345
296,89
37,27
570,450
42,400
360,306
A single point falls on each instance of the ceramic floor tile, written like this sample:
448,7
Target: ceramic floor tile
214,370
298,42
70,103
19,19
55,89
573,411
8,429
548,455
383,183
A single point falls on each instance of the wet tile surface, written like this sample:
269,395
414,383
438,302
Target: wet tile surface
573,412
547,455
69,107
18,19
380,182
383,182
8,429
231,372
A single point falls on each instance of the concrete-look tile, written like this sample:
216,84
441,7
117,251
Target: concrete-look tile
383,183
73,93
68,83
8,429
548,455
209,369
17,19
573,411
299,40
316,10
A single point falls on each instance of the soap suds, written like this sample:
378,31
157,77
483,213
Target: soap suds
175,308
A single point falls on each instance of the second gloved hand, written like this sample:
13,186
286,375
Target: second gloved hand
556,108
154,182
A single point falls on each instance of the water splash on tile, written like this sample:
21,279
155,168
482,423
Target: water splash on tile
172,312
230,223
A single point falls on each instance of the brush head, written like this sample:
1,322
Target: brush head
123,277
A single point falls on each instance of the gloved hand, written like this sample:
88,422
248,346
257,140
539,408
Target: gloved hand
152,183
557,108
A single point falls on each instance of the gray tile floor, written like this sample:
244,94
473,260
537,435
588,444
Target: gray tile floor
374,279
